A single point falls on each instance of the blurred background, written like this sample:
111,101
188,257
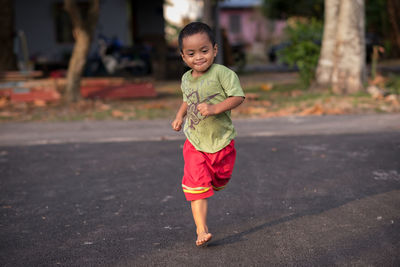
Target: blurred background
55,50
140,36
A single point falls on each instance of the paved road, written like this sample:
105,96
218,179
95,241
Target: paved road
12,134
302,194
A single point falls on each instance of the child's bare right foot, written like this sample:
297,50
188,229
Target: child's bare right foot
203,238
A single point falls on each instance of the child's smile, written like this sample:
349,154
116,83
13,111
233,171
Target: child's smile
198,53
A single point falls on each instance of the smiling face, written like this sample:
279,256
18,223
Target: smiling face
198,53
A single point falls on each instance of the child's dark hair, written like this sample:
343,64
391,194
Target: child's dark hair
193,28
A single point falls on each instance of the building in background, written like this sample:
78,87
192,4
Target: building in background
246,26
242,25
48,41
47,29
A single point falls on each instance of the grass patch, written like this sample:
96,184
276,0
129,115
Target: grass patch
287,94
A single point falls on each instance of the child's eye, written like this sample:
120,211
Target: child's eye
205,51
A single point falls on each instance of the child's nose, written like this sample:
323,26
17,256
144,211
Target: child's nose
199,55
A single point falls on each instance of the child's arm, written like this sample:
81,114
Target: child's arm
228,104
177,123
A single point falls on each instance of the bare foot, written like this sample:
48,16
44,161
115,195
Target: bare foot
203,238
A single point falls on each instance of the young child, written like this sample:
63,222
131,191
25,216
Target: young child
210,91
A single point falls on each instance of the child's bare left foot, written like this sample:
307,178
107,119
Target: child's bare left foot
203,238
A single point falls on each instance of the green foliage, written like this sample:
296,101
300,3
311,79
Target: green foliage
377,18
393,84
279,9
304,48
378,27
172,32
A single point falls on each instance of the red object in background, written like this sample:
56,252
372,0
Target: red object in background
58,74
5,92
31,96
123,91
111,89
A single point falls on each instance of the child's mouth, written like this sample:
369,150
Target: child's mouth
200,64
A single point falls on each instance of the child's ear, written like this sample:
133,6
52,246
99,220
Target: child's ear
216,49
183,58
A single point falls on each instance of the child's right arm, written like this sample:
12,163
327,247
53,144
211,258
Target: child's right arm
177,123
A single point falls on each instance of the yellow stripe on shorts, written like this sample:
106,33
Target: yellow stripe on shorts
218,188
196,190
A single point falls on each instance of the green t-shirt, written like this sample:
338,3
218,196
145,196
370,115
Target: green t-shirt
209,133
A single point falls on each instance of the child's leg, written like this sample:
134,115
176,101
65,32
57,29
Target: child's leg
199,210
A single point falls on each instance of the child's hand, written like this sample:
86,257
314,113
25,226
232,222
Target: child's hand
206,109
177,124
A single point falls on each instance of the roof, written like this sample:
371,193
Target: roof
240,3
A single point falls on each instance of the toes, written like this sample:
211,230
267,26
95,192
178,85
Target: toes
203,239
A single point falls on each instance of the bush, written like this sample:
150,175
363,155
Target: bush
304,48
393,84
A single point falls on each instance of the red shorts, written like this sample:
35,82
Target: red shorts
204,172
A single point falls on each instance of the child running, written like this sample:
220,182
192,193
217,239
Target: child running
210,92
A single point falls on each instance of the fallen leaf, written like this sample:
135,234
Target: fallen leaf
3,102
117,114
334,111
104,107
375,92
267,86
314,110
393,99
256,110
379,80
39,103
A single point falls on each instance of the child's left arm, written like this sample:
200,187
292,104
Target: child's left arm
228,104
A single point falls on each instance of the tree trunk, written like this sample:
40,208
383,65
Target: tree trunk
393,11
7,57
342,60
327,57
208,12
76,65
349,72
83,31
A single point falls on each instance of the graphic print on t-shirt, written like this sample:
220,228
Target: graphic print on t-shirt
194,115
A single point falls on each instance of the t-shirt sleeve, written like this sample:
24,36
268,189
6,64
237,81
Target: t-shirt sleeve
230,82
184,98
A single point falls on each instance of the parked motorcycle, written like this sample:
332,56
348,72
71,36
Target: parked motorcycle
112,58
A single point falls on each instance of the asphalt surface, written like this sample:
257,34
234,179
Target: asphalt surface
316,191
39,133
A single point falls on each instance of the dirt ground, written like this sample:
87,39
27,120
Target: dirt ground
267,95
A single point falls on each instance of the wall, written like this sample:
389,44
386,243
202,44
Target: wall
257,32
248,23
36,19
